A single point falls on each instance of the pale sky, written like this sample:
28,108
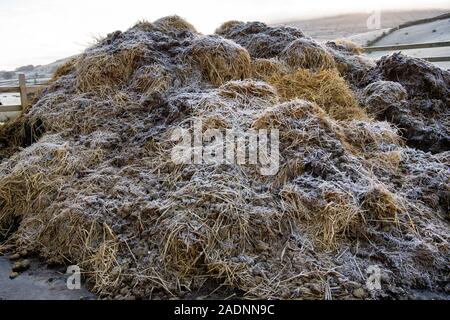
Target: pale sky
42,31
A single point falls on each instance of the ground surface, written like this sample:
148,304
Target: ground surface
38,283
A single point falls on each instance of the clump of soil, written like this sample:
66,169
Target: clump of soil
260,40
98,186
415,96
307,54
351,64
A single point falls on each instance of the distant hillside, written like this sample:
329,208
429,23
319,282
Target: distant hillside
341,26
410,34
32,73
426,31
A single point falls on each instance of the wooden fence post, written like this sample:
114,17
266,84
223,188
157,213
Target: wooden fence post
23,91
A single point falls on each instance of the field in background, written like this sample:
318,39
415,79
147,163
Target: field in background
343,26
427,32
354,27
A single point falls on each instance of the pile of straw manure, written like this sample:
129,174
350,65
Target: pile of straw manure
86,175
